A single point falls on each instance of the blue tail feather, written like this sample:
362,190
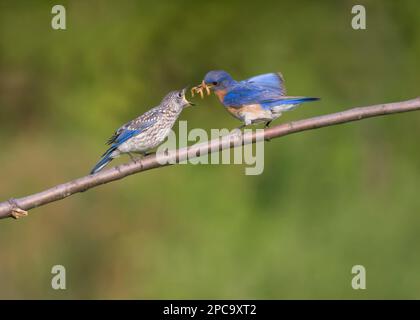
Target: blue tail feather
106,158
287,101
297,100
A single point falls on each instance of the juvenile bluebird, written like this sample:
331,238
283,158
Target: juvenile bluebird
258,99
146,131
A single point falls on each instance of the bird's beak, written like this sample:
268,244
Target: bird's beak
200,89
187,102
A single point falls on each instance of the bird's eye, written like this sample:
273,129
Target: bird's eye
179,95
214,83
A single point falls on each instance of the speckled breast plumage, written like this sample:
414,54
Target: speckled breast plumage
153,135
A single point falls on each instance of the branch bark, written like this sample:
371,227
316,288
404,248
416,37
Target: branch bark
17,207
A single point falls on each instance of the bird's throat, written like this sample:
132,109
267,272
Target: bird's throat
220,94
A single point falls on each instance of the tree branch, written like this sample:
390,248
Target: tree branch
16,207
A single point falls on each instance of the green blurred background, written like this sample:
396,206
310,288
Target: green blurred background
327,200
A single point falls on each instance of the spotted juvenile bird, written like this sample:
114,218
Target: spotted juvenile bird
146,131
259,99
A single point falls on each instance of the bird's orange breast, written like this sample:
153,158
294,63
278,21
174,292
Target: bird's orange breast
220,94
234,111
253,111
252,108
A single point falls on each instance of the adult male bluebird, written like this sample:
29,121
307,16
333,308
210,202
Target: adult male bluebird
258,99
146,131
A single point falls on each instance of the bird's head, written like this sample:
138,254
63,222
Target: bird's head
217,79
177,98
214,80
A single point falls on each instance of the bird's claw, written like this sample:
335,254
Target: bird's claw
200,89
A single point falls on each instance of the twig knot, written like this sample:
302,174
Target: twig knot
15,211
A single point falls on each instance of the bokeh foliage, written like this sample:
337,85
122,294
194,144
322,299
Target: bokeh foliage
327,200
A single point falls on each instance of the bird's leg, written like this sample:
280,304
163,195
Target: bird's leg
137,159
267,125
16,212
132,157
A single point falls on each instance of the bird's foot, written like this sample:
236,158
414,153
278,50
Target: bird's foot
17,212
267,125
135,159
143,155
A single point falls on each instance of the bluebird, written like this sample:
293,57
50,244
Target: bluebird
259,99
146,131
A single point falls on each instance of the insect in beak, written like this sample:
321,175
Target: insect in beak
200,89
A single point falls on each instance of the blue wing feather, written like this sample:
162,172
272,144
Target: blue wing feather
273,81
243,94
269,86
123,134
129,130
266,89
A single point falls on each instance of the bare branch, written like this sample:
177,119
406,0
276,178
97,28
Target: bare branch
16,207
